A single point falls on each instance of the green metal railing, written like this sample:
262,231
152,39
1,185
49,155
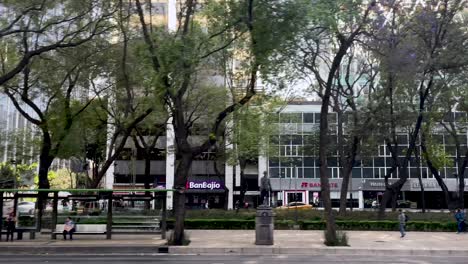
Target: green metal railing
35,192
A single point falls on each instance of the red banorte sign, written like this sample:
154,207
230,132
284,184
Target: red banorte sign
317,184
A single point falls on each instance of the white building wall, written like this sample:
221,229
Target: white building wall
170,163
229,182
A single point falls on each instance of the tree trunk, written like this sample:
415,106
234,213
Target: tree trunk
182,172
330,237
395,188
342,164
324,181
423,204
45,160
394,199
346,175
436,174
418,167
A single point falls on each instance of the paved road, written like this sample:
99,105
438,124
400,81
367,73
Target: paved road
227,259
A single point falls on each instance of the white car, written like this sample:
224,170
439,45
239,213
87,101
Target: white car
26,208
60,208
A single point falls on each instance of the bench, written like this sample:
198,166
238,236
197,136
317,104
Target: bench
149,225
83,229
20,231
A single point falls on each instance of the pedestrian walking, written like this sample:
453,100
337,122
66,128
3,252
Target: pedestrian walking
402,219
460,218
10,225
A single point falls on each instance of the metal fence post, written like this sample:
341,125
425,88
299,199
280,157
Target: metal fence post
1,216
109,217
54,214
163,217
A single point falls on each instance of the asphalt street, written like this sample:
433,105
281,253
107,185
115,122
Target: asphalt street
226,259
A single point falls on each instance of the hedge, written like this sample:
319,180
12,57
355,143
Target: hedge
317,215
317,225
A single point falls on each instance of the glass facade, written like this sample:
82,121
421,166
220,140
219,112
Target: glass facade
294,151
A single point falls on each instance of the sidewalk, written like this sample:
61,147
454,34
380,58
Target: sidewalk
243,242
88,244
311,242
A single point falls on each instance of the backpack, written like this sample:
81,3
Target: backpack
406,218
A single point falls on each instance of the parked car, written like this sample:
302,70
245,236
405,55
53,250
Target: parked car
60,208
298,205
25,208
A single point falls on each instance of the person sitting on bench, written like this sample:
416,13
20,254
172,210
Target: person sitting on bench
68,228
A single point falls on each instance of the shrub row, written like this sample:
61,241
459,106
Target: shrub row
317,225
317,215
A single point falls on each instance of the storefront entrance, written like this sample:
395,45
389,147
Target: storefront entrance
295,196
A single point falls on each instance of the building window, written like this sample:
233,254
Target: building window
309,173
308,117
274,172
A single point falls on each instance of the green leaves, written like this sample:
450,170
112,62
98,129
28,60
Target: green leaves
21,174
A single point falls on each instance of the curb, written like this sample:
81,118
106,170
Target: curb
120,249
316,251
267,250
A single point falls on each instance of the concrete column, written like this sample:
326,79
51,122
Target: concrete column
238,176
229,182
170,163
361,199
109,179
229,170
172,15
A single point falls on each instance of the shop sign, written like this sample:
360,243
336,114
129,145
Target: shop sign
317,185
428,185
211,185
306,184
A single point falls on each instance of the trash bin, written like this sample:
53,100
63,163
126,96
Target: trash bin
264,225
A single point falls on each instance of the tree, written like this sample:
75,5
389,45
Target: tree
179,59
354,81
8,177
57,24
428,38
60,179
20,175
248,135
132,99
442,113
334,27
58,79
145,139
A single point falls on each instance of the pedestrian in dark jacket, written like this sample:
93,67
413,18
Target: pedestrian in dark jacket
10,225
460,217
402,221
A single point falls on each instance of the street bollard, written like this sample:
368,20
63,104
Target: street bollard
264,225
